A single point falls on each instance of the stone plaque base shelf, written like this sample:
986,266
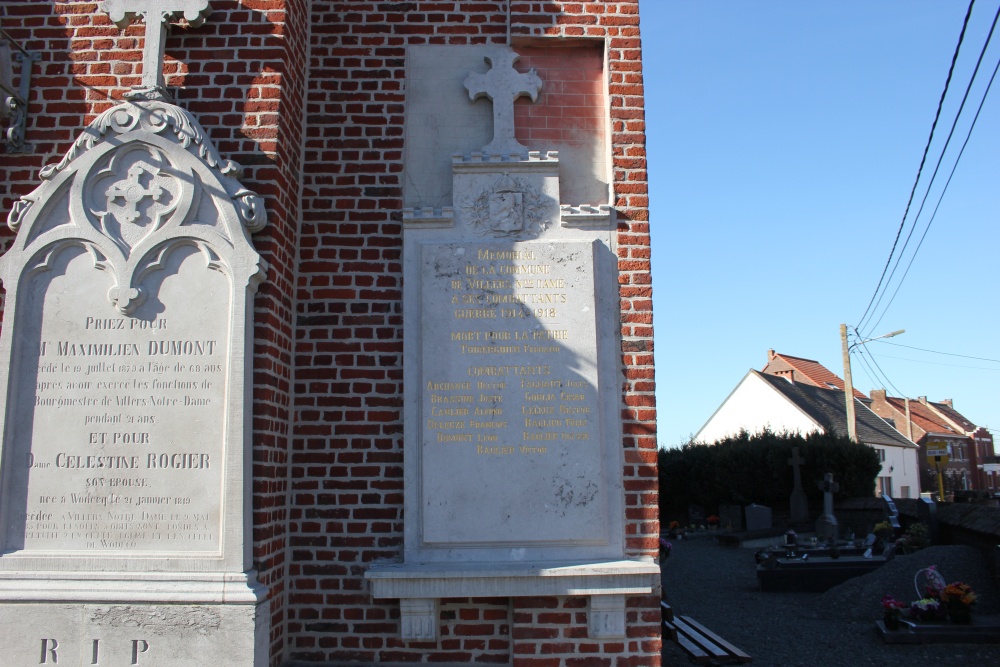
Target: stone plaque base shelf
420,587
148,587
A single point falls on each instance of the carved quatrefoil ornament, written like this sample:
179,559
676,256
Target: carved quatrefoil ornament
133,196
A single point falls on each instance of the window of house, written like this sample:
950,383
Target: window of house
904,492
885,486
881,454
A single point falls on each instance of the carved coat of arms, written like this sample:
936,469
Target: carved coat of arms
510,207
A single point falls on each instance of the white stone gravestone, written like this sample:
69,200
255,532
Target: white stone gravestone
125,530
513,466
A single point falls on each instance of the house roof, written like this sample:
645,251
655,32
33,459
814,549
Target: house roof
828,409
922,417
809,372
954,415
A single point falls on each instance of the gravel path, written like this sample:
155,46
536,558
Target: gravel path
717,585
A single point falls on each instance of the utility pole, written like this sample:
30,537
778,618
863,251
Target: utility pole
852,427
852,424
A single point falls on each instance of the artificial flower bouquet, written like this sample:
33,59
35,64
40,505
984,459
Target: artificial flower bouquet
958,598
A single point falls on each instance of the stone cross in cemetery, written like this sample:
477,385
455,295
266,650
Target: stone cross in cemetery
503,84
125,358
827,524
156,14
798,504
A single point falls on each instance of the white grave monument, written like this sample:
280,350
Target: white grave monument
124,524
513,465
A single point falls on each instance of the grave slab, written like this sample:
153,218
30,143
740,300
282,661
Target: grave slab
982,630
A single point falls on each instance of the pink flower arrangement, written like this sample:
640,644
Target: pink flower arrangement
890,603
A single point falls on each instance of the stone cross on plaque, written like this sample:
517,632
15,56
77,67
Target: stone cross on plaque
503,84
798,504
156,14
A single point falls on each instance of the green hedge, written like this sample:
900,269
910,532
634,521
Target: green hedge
747,468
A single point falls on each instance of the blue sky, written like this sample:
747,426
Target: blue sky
784,138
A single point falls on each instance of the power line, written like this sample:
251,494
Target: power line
861,352
937,115
941,197
881,381
950,354
936,363
961,152
871,374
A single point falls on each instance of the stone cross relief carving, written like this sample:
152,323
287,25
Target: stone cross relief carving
503,84
156,14
131,191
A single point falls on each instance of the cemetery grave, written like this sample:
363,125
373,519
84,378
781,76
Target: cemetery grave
716,586
805,567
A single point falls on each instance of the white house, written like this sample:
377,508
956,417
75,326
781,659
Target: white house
777,404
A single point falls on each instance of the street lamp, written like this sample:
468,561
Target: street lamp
852,428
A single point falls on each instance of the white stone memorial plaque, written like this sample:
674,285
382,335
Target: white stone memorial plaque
510,393
121,439
513,468
125,463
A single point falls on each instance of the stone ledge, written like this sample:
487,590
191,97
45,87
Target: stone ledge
420,587
532,161
105,587
449,580
586,216
427,217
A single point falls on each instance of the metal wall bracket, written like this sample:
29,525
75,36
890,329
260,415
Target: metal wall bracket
14,103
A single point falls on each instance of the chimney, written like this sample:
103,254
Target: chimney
771,355
922,399
948,402
878,395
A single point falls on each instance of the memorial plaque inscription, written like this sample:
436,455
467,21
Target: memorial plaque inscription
509,380
121,440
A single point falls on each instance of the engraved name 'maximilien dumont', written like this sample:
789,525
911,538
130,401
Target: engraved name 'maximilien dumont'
125,384
508,324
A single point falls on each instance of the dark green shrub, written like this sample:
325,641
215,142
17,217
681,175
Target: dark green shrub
745,468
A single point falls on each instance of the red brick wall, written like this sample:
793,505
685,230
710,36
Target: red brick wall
309,98
242,74
347,450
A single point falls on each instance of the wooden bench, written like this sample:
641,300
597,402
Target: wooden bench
703,646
